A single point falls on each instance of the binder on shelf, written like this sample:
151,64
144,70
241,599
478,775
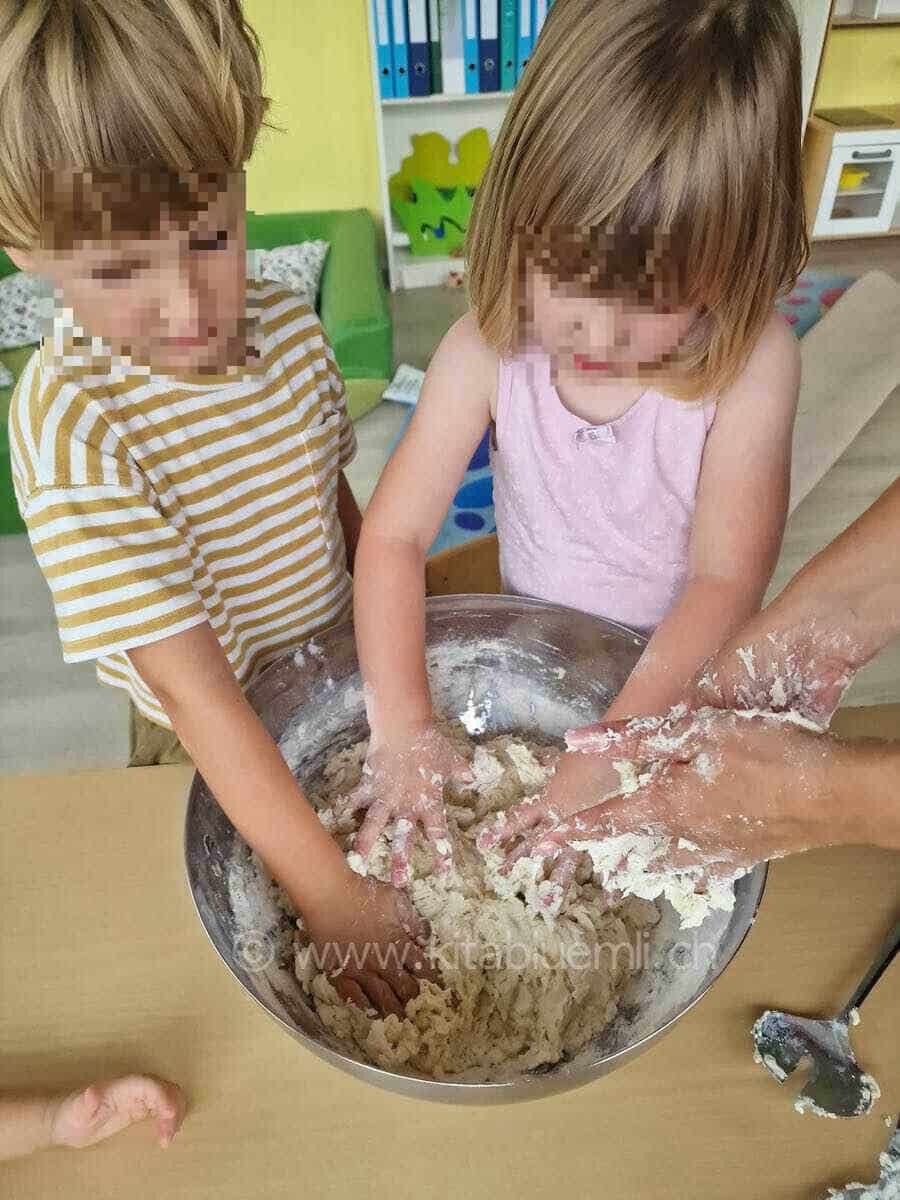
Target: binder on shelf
489,47
419,49
453,63
382,26
509,13
526,41
399,49
540,16
434,46
470,45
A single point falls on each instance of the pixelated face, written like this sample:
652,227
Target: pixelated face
596,339
174,300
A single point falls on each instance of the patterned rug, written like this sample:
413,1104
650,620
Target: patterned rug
471,514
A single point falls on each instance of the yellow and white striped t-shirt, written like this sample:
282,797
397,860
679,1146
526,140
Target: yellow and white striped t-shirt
154,504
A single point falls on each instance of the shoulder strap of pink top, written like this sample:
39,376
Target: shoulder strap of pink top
505,372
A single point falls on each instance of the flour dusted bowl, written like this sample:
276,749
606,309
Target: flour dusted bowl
506,664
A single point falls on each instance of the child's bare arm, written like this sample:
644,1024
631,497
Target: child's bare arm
401,522
25,1124
738,526
193,680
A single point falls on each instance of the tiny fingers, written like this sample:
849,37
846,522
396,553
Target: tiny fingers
361,797
544,844
383,995
400,872
372,827
434,822
170,1113
565,867
462,774
349,989
511,824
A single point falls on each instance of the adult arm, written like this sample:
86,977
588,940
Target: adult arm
800,654
743,789
837,613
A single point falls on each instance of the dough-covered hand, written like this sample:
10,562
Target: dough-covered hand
805,667
404,782
578,782
104,1109
371,946
739,789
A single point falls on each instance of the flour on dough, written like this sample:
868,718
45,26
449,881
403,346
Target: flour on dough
531,974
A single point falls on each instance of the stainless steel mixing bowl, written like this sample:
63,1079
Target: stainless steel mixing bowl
510,664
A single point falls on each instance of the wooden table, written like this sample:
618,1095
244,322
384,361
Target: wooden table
104,967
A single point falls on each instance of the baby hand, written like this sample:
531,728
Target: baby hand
104,1109
404,782
369,944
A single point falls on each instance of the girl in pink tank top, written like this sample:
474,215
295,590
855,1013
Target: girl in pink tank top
640,215
596,517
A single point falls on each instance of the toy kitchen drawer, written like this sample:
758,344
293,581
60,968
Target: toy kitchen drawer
851,164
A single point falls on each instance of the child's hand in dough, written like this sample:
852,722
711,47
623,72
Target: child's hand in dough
104,1109
371,946
404,783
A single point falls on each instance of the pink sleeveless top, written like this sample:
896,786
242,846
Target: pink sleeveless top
597,518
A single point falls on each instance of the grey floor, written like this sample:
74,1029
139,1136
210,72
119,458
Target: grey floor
56,716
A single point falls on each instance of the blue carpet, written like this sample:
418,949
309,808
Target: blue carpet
471,513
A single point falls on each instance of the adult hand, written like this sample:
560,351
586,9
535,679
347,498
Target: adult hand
781,665
741,789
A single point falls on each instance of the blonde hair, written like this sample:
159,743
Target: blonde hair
110,86
651,148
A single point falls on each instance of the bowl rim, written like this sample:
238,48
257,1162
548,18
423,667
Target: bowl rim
756,878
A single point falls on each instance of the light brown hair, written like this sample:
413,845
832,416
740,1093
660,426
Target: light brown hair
139,93
652,148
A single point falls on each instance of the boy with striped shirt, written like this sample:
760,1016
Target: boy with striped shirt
178,444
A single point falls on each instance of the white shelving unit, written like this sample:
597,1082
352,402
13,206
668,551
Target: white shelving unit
395,122
452,115
866,12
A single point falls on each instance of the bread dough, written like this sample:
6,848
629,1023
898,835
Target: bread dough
530,974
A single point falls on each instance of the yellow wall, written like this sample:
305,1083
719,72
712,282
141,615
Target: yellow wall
860,66
318,74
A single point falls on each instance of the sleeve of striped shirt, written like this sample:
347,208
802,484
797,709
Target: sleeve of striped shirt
348,434
119,573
